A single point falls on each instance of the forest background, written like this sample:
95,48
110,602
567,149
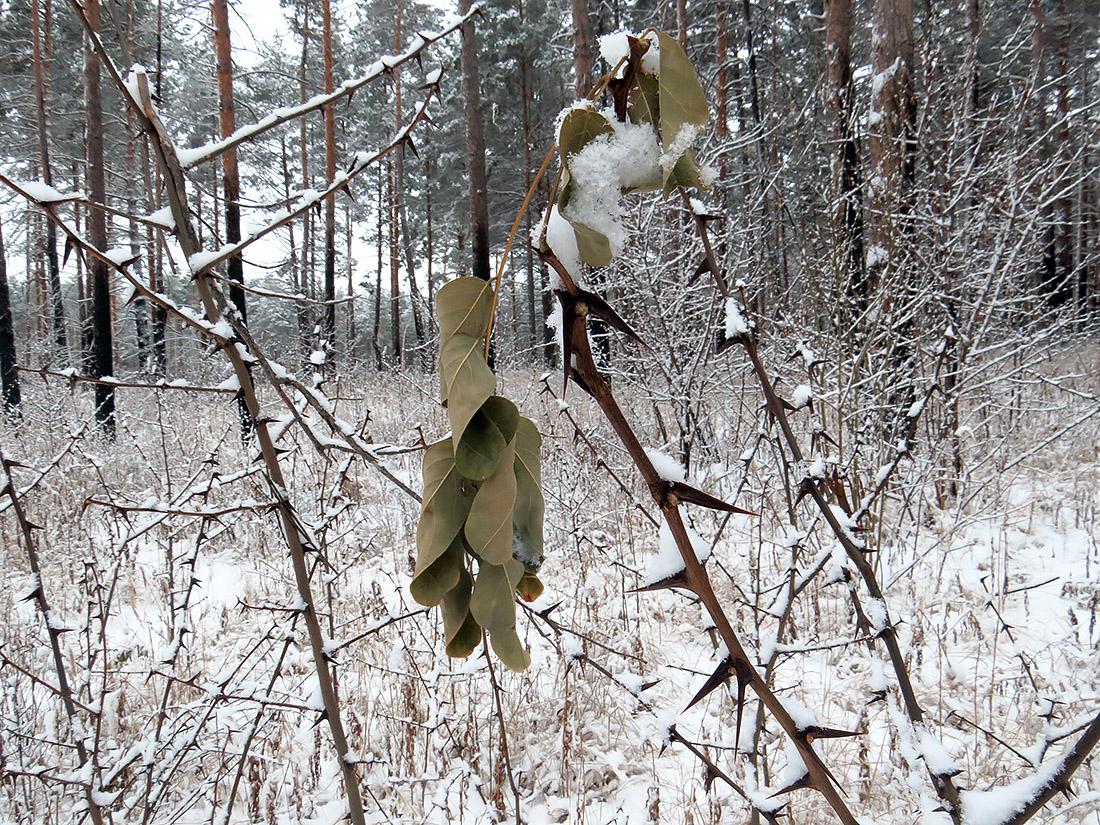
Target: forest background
905,207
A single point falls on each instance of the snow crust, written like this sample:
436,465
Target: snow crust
669,562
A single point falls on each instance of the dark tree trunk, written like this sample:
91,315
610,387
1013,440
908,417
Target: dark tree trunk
102,348
582,46
231,179
475,148
9,378
848,214
328,329
41,47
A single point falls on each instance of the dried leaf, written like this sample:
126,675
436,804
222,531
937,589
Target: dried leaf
489,523
493,602
485,437
463,306
529,506
509,648
447,500
467,381
462,631
431,582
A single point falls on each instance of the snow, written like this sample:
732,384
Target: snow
679,144
42,192
998,805
736,325
669,562
935,755
119,255
202,260
223,329
614,47
625,158
802,396
562,241
163,218
666,466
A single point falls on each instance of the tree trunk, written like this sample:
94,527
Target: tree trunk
395,269
527,175
102,348
891,127
9,377
892,132
475,148
231,179
376,336
399,197
41,47
328,329
848,213
582,46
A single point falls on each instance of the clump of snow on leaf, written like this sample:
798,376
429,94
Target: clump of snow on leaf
626,158
615,47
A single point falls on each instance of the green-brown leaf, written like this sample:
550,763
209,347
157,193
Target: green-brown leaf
579,127
510,650
463,306
485,438
467,380
447,500
682,100
489,523
431,582
529,506
462,631
493,602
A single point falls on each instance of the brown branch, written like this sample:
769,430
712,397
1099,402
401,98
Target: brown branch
1059,781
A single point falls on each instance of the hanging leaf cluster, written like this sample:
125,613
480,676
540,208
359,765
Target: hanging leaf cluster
671,102
482,491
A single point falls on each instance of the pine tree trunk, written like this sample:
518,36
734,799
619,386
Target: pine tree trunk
41,48
475,148
9,377
328,328
102,348
582,46
140,312
231,179
403,223
848,213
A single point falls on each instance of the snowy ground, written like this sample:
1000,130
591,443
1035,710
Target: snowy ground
996,590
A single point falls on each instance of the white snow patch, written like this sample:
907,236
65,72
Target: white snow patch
669,562
562,241
803,395
666,466
735,322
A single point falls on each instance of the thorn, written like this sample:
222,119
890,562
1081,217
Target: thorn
671,735
691,495
720,676
744,676
675,580
802,782
817,732
711,775
321,718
